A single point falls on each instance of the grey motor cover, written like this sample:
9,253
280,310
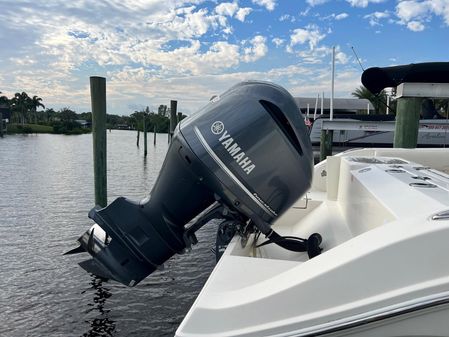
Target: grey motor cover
254,141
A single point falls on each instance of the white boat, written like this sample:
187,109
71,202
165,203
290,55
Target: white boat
384,218
357,132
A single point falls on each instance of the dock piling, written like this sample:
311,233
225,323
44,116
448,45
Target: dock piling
145,135
1,125
407,122
326,144
98,102
154,135
173,113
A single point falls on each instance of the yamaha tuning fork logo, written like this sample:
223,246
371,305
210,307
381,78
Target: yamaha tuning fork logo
233,148
217,128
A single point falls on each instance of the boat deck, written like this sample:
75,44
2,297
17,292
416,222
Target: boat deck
362,193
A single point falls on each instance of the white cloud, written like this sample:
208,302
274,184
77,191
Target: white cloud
173,49
23,61
189,25
315,56
227,8
278,41
320,81
152,51
160,39
316,2
322,53
414,14
257,50
189,59
341,57
287,17
299,80
66,41
242,13
305,12
310,34
341,16
415,26
376,17
409,10
232,9
440,8
220,55
268,4
363,3
336,17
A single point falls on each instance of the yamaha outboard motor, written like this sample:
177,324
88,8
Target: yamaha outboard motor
245,157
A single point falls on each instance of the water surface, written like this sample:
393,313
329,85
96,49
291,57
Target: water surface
46,191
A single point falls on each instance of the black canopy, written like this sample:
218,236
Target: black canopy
376,79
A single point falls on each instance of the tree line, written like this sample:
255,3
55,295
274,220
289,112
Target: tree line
23,107
25,113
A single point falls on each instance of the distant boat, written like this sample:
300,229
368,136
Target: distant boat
371,131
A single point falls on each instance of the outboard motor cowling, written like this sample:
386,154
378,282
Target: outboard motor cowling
246,155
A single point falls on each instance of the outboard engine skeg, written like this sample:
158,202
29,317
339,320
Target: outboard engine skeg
247,150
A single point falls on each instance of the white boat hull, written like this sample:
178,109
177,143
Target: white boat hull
384,269
431,132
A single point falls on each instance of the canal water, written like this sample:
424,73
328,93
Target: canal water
46,191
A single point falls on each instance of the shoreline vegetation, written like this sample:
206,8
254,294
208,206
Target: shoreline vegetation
22,117
14,128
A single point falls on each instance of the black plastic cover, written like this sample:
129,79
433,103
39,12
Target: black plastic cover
254,140
376,79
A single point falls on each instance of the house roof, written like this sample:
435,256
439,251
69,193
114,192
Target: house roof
82,121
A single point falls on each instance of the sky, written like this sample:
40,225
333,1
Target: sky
153,51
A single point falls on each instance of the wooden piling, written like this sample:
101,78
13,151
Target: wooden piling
326,144
154,135
407,122
138,136
173,109
144,135
1,125
98,101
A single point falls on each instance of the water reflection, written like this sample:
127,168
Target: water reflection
101,325
145,166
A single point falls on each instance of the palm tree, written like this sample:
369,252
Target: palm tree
35,103
4,100
378,101
67,115
20,105
50,115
